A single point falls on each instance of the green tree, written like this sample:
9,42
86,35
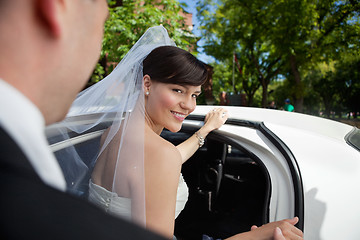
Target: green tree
249,77
222,79
325,86
235,27
347,79
307,32
338,84
287,37
127,22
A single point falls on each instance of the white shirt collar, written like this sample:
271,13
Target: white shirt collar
26,125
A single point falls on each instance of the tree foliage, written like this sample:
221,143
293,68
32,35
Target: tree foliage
280,38
129,20
339,85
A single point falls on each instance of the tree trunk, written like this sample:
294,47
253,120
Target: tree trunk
208,86
264,94
299,94
250,99
327,109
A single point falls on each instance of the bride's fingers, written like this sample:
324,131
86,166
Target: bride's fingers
219,111
215,115
224,114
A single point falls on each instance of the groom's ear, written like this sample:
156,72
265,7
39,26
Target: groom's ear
50,15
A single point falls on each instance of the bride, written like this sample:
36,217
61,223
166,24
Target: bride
137,174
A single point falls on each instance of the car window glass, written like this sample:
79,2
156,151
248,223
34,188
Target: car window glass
353,138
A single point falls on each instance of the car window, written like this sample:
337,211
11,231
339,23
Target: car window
353,138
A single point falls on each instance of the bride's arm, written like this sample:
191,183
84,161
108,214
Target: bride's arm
213,120
162,172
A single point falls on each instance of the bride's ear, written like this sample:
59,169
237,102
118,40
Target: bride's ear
146,83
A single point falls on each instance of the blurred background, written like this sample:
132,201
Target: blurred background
260,53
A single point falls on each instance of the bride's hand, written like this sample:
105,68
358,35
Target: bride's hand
215,118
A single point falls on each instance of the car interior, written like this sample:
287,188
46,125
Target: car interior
229,188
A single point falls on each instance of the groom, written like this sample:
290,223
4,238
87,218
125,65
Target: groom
48,49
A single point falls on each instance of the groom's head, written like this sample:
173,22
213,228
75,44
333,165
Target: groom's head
49,49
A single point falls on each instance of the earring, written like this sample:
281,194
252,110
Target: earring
147,93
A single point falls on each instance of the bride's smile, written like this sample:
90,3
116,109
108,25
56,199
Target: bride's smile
179,116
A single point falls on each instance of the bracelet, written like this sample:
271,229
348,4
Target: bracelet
200,139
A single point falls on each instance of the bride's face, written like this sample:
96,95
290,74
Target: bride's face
167,105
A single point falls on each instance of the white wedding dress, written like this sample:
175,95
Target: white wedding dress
121,206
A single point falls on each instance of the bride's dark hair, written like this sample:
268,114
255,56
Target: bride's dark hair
169,64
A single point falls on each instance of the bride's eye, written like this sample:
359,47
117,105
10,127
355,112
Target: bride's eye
195,96
177,90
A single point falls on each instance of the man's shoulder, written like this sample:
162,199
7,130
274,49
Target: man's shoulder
33,210
45,212
12,157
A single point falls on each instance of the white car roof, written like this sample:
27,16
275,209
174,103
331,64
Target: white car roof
322,126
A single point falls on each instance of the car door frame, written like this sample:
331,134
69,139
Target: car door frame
285,151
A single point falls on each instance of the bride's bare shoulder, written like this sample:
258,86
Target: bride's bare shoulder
160,150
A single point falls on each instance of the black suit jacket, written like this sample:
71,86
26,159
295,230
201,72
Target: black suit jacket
29,209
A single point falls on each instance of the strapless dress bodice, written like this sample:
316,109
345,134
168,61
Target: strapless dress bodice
110,201
121,206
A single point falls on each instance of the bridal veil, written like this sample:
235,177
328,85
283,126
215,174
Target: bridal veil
111,115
